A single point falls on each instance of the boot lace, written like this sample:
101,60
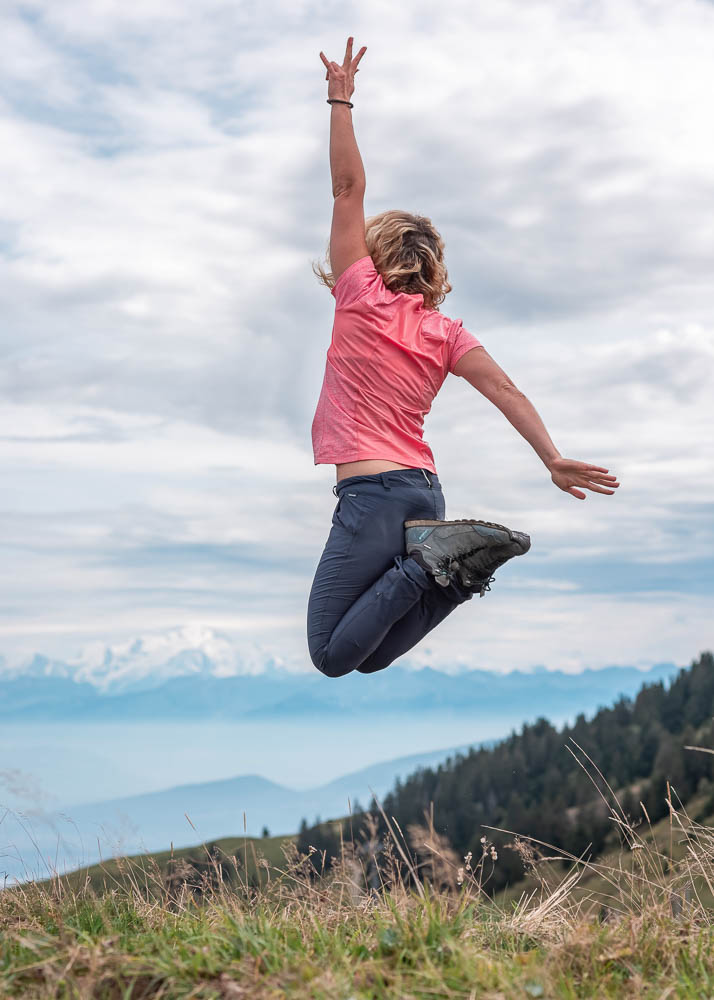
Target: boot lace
485,585
449,566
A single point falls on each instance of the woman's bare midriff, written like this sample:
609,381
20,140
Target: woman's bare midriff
368,467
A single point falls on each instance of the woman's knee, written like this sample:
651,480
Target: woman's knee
326,662
331,667
335,670
372,665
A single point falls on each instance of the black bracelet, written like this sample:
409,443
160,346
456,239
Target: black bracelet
336,100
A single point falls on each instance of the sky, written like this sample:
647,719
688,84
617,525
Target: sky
164,188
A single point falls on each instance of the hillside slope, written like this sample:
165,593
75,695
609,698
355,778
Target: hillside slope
533,783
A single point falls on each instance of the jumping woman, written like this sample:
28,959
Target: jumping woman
393,568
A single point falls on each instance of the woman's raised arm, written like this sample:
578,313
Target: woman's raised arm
347,235
345,161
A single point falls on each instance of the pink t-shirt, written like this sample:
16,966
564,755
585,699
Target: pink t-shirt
388,359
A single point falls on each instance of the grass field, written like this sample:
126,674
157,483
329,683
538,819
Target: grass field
250,918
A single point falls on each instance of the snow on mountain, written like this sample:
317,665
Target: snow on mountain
149,660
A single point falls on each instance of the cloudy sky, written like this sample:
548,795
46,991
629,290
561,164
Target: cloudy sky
164,187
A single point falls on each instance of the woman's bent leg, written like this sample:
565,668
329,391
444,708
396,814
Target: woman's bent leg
366,591
434,606
360,590
365,624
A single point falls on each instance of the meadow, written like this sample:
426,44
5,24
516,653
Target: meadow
405,918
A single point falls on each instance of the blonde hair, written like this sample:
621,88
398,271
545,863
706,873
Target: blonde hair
408,252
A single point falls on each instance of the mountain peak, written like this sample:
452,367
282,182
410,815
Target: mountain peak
147,661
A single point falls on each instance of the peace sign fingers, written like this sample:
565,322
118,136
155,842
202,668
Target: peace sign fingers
341,78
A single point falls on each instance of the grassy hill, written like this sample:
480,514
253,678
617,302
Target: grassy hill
241,859
249,862
126,933
559,785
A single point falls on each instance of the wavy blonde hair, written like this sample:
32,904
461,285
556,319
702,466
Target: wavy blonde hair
408,252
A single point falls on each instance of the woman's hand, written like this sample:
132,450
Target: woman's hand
568,475
341,79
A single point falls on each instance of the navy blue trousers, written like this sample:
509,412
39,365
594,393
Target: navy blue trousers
369,602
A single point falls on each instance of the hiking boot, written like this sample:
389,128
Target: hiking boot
466,551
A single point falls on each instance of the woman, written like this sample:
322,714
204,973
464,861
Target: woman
393,568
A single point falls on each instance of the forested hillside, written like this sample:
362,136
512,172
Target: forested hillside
531,784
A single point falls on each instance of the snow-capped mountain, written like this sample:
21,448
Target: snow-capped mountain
148,661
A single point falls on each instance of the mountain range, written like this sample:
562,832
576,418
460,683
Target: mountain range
51,690
147,661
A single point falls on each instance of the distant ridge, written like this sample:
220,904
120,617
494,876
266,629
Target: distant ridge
276,692
154,820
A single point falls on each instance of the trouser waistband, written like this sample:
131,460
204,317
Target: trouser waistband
397,477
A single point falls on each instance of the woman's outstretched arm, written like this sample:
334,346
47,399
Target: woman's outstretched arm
569,475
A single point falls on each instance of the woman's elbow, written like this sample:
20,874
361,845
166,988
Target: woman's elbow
505,388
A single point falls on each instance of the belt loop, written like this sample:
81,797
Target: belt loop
385,480
334,489
423,471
